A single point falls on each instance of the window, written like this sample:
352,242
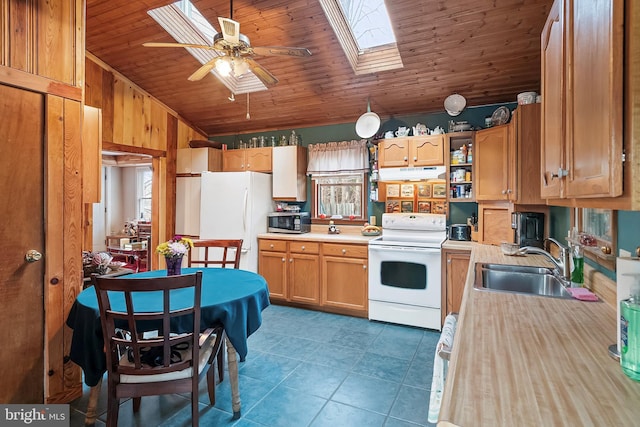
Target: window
144,179
339,196
601,226
365,33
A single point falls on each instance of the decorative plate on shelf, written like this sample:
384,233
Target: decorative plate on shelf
501,116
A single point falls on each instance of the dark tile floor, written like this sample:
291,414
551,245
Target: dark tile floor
307,368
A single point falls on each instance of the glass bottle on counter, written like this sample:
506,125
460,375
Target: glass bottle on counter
630,333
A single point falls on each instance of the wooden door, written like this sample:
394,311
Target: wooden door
272,265
304,278
393,153
258,159
344,284
553,95
22,213
494,223
233,160
594,101
491,151
427,151
456,267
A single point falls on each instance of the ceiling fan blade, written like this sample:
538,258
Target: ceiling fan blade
265,77
203,71
230,30
281,50
199,46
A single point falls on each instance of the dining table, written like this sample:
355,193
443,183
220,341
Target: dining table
231,297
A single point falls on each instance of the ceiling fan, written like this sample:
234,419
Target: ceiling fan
234,53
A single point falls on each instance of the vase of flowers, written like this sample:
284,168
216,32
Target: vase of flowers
174,250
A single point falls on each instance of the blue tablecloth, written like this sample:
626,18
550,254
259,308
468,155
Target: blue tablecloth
234,298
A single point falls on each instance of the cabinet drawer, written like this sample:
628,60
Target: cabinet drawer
352,251
272,245
304,247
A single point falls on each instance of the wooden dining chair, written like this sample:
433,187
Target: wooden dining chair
168,363
216,253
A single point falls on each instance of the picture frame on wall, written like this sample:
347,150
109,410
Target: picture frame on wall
439,208
424,207
407,206
392,206
406,190
439,191
424,190
393,190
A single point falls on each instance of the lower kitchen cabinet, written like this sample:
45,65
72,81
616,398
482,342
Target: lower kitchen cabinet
344,278
322,276
291,269
455,264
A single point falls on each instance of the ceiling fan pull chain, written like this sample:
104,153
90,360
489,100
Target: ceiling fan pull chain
248,115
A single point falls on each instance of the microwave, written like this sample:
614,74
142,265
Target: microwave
289,222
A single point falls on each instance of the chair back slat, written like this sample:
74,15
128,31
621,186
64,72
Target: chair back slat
181,298
231,250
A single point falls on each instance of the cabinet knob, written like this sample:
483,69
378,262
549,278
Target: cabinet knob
509,191
344,251
290,259
406,158
504,191
561,173
283,260
448,261
271,246
303,248
364,267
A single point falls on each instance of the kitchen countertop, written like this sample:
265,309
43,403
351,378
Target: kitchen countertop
522,360
348,234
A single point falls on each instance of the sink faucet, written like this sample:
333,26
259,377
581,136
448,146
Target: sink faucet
563,263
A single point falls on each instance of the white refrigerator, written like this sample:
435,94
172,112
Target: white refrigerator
234,205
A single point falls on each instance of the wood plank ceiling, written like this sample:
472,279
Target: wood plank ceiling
486,50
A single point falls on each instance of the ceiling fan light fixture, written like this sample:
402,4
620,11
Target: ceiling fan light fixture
240,66
223,66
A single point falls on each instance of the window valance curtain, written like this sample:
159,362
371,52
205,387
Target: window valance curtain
336,158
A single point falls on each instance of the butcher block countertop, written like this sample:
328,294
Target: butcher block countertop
522,360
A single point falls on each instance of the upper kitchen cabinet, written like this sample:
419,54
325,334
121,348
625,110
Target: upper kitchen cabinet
247,159
507,159
197,160
582,94
289,168
411,151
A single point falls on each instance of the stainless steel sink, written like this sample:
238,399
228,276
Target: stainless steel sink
521,279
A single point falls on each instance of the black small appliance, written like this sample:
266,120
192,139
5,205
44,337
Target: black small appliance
529,228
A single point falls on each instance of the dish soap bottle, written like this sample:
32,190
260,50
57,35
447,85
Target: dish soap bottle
630,333
577,272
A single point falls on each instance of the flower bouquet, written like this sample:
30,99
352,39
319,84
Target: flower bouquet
173,251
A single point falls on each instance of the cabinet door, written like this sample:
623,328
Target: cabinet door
427,151
491,162
273,267
594,98
456,265
526,179
187,205
258,159
553,90
233,161
494,223
393,153
289,168
304,278
344,284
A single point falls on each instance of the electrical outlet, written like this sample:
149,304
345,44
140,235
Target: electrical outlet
624,253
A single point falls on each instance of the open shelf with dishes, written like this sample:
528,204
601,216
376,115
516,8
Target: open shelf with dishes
460,176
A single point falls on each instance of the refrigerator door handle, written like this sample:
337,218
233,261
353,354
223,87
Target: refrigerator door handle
244,211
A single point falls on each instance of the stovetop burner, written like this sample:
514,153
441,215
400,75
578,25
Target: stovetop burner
412,229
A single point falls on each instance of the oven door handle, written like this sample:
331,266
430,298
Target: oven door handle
403,248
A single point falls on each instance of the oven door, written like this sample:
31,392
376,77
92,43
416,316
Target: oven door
405,275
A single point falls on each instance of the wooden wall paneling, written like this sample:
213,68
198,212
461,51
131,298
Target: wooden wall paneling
58,45
173,131
64,239
127,113
17,35
118,110
161,229
107,105
91,154
93,84
158,125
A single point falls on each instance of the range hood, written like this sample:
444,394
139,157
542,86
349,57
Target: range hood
412,173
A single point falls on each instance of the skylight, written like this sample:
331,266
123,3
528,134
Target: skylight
365,33
187,25
369,22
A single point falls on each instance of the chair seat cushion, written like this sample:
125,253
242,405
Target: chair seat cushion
185,354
